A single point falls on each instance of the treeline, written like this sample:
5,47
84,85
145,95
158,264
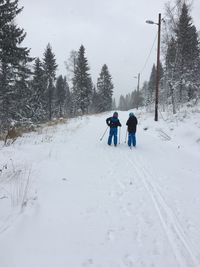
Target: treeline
131,101
30,91
180,66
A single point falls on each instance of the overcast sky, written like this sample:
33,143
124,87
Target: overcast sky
113,32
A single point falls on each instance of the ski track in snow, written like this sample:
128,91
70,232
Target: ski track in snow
131,194
181,246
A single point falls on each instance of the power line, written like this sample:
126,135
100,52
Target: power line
145,64
174,7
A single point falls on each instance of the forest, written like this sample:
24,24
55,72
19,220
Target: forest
32,92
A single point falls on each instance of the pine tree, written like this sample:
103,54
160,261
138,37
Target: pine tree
13,60
82,84
105,89
50,66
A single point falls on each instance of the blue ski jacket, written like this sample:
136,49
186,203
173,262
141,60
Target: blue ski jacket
113,122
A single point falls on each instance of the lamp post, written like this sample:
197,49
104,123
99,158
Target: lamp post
158,65
138,88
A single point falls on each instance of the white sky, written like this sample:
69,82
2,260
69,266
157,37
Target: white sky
113,32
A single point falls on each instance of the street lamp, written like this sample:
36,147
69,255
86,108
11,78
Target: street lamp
138,88
158,64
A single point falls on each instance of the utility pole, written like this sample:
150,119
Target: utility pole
158,65
158,69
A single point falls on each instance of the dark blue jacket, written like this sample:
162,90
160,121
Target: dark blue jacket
113,122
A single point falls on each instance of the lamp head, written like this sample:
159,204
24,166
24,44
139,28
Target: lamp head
150,22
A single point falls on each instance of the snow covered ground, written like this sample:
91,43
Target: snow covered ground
67,199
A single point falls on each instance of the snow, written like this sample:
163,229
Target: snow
68,199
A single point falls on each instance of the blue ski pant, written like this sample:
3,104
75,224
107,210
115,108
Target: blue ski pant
131,139
113,133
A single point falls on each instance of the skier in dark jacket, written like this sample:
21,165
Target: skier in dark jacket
113,122
132,126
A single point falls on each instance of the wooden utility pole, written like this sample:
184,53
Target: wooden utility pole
158,69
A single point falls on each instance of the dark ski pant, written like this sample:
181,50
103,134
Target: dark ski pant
131,139
113,133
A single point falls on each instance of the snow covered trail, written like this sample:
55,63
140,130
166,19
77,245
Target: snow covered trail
97,205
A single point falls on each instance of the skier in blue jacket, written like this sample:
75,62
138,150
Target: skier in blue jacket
113,122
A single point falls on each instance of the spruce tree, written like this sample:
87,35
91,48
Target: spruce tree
188,56
151,87
136,99
13,60
50,66
144,91
94,108
71,66
182,64
68,100
82,84
128,101
122,103
38,97
105,89
162,94
22,108
60,94
171,73
114,104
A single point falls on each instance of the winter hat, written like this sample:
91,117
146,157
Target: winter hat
115,114
131,114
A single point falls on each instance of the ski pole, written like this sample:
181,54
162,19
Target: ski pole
126,135
119,134
104,134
